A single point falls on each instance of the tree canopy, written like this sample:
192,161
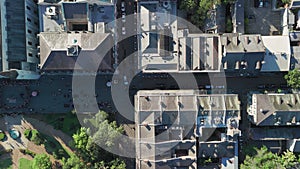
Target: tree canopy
101,132
73,162
293,78
268,160
197,10
41,161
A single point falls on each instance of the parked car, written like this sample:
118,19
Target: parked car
125,80
209,86
261,4
123,17
284,86
123,31
261,86
220,87
123,6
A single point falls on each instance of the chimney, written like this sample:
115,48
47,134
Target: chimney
258,39
247,40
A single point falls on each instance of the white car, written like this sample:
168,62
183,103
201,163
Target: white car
123,17
123,31
261,4
220,87
125,80
123,6
209,86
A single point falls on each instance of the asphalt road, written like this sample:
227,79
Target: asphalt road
55,91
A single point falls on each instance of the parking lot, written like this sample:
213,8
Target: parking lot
262,17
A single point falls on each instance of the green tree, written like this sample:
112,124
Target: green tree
188,5
288,159
73,162
293,78
117,164
81,138
263,159
286,1
41,161
103,132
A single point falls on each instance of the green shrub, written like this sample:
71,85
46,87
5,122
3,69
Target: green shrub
27,134
28,152
59,154
36,137
2,136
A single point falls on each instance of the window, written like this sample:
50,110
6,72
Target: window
30,54
29,31
28,7
29,43
14,65
28,19
79,27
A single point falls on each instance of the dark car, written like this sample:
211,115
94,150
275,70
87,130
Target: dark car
261,86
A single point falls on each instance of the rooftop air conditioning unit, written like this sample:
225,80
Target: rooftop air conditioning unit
72,50
51,11
166,4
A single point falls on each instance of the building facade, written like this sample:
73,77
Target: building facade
19,29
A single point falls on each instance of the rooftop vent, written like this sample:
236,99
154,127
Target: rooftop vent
166,4
50,11
72,50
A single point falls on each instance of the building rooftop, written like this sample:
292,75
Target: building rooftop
278,53
242,52
83,15
164,124
59,51
199,52
216,149
73,29
295,59
295,4
235,43
157,26
275,109
215,22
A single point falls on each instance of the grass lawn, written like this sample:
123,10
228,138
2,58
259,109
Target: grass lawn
70,124
67,122
6,164
24,163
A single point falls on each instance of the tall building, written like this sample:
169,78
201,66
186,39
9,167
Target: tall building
19,29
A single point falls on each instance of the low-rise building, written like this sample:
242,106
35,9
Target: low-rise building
76,36
172,127
275,109
276,120
242,53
